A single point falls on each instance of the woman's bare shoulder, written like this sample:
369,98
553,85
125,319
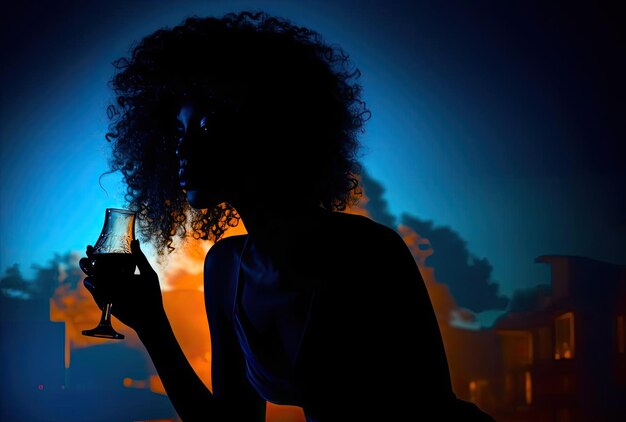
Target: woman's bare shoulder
226,248
354,243
220,265
360,230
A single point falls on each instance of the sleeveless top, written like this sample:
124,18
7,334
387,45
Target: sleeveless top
270,316
271,313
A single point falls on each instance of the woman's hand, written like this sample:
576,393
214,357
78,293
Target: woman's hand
136,298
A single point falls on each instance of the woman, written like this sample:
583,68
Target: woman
249,116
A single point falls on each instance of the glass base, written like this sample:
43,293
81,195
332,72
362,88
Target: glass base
104,331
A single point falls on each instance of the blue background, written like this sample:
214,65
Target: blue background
500,121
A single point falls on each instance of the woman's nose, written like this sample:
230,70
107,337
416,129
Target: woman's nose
182,147
178,147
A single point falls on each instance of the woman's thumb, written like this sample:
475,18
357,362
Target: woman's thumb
140,259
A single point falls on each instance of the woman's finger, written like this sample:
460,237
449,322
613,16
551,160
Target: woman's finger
142,262
89,250
88,283
85,265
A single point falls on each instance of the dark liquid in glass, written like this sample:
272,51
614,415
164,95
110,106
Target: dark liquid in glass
112,268
112,264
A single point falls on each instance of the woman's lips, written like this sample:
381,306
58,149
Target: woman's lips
183,174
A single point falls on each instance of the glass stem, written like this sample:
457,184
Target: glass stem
106,315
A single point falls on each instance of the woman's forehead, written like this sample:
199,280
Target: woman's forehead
186,110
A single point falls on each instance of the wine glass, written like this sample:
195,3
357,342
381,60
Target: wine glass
111,260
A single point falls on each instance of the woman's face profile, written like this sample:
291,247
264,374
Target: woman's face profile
202,170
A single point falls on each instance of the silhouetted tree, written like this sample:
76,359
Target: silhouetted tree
376,204
13,285
62,268
467,276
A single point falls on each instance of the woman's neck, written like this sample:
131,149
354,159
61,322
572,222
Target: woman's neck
269,219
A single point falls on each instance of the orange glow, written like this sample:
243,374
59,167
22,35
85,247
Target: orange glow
181,278
528,384
138,384
472,388
156,386
443,302
184,303
76,308
183,298
279,413
456,341
564,336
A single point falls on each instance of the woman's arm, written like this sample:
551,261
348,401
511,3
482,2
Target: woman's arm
190,397
137,302
234,399
229,380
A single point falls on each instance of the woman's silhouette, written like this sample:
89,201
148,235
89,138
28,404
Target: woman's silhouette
249,115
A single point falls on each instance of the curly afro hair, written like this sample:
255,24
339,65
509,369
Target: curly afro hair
302,100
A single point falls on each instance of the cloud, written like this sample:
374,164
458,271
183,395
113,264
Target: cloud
467,276
375,203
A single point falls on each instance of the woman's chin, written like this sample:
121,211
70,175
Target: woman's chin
199,199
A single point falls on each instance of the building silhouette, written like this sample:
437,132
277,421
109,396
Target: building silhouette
36,385
558,354
561,356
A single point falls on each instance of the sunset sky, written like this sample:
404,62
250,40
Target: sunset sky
500,120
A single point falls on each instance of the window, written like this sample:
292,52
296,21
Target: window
528,387
564,336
